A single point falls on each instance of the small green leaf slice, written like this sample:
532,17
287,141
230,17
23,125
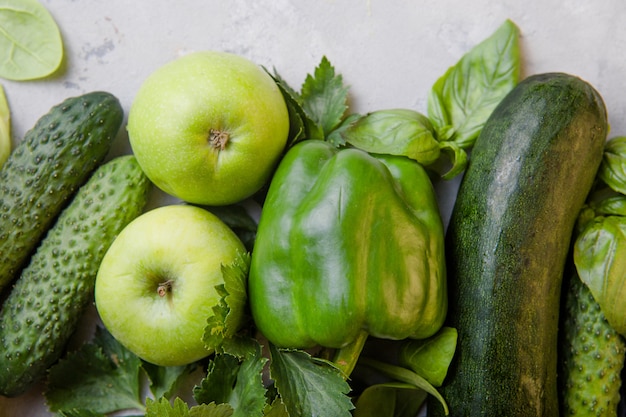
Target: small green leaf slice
5,128
163,408
613,167
30,41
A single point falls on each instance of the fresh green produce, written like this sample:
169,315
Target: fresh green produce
46,302
5,128
592,356
46,168
209,127
531,170
31,42
592,343
347,243
158,283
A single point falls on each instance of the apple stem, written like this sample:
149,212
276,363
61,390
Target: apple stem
164,288
218,139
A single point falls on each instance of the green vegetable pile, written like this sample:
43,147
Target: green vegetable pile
352,208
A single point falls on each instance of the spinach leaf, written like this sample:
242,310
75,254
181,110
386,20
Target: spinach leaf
463,98
30,41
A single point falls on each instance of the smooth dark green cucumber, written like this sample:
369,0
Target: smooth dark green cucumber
46,168
530,172
44,306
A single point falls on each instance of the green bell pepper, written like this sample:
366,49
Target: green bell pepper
347,242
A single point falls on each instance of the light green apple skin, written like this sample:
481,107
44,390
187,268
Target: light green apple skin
180,244
180,103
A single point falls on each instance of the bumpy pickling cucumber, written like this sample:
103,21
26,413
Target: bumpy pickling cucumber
42,310
46,168
592,356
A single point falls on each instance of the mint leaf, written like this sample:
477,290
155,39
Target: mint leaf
462,99
309,386
276,409
230,313
324,97
234,382
163,408
102,376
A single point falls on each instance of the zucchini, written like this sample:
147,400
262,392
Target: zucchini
46,168
508,238
42,310
592,356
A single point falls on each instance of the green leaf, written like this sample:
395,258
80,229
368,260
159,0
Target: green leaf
165,380
276,409
239,220
79,413
461,100
324,97
30,40
393,399
431,357
300,125
396,132
401,374
235,382
309,386
457,156
229,314
600,259
163,408
612,170
101,376
336,137
5,128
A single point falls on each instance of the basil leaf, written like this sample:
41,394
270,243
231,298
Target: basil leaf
395,132
462,99
600,260
431,357
5,128
613,167
30,40
393,399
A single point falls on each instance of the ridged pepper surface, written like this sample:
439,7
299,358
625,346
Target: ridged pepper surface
347,242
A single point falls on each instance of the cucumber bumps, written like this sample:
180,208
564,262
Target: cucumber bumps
46,168
507,243
47,300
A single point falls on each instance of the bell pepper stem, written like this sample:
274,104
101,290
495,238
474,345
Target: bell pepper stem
346,357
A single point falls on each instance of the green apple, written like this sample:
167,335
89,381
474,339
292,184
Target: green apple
209,127
155,288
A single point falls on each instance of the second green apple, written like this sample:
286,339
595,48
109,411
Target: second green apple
209,127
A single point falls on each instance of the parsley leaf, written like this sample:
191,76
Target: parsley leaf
309,386
230,313
102,377
324,97
165,380
163,408
235,382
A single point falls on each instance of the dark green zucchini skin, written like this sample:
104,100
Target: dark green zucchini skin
507,242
